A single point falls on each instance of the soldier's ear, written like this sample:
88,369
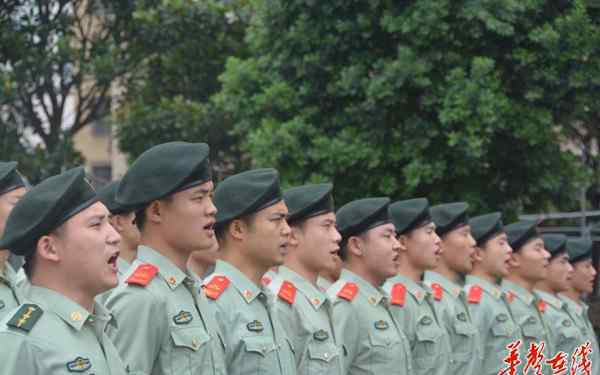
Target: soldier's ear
295,233
478,256
355,246
154,211
237,229
47,248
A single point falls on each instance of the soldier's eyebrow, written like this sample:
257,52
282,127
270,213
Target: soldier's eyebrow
98,217
279,215
202,191
329,221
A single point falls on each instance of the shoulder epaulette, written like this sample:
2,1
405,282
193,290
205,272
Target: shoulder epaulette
438,292
266,280
287,292
474,294
26,317
398,294
216,286
142,275
541,305
348,291
510,296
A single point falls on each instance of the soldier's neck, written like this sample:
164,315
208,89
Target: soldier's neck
176,256
303,270
127,252
544,287
447,272
362,271
482,274
573,294
245,265
65,287
406,269
520,281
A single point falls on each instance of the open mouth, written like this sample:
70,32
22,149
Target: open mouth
210,228
113,260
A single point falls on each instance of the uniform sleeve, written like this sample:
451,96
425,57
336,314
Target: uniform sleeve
141,327
347,331
17,357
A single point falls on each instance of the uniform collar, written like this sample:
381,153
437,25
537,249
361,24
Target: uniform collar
575,306
492,289
373,294
549,298
448,286
71,312
418,291
310,291
248,289
519,292
167,270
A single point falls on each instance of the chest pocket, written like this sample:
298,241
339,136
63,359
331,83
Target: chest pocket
260,355
191,350
504,329
532,328
463,342
428,338
568,332
387,351
322,359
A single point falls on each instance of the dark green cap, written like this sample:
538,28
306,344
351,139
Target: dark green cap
306,201
579,249
520,233
107,195
246,193
10,178
484,227
163,170
555,244
449,216
409,214
44,208
361,215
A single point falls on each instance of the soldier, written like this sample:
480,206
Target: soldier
12,188
71,252
528,265
562,331
372,340
165,323
410,300
485,299
253,236
303,308
330,276
458,248
582,282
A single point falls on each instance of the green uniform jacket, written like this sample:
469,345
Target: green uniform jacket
450,307
492,318
57,336
372,340
165,327
579,313
255,339
305,312
411,306
524,309
9,295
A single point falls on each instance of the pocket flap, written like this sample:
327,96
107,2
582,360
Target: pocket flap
322,352
428,333
259,344
380,340
192,339
464,328
505,329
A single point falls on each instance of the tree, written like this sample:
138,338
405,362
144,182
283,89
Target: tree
57,65
439,98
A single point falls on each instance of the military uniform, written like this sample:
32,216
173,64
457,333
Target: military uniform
50,334
563,333
305,311
9,298
578,312
491,316
372,339
256,341
411,307
449,306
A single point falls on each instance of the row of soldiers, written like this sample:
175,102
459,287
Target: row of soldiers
159,274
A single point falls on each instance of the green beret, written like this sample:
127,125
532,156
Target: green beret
107,194
163,170
10,178
306,201
246,193
484,227
579,249
361,215
520,233
44,208
555,244
409,214
449,216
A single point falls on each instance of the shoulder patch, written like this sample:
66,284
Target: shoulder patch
348,291
541,305
398,294
510,296
142,275
474,294
266,280
287,292
216,286
438,292
26,317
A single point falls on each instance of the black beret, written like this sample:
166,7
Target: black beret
106,195
306,201
163,170
44,208
449,216
520,233
409,214
246,193
555,244
484,227
10,178
361,215
579,249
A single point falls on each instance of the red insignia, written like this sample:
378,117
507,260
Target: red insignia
474,294
266,280
438,292
510,296
398,294
215,287
541,305
287,292
348,292
142,275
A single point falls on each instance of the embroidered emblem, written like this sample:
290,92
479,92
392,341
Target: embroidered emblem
79,364
438,292
382,325
348,292
321,335
566,323
215,287
426,321
461,316
502,318
184,317
142,275
287,292
475,294
26,317
398,294
255,326
541,305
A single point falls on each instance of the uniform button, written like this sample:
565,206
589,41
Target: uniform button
316,301
172,280
195,343
76,316
326,355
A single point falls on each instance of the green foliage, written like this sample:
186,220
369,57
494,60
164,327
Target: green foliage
445,99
